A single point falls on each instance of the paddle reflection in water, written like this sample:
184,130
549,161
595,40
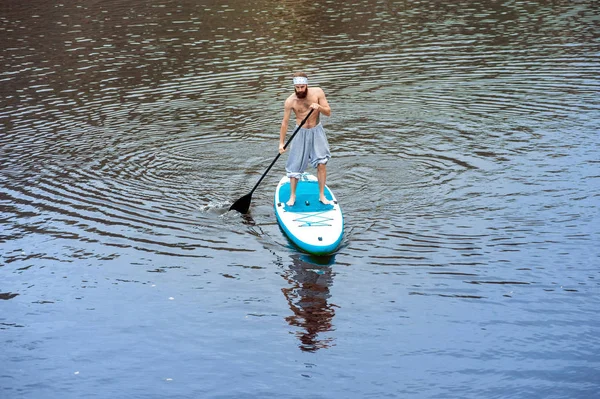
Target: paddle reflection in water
310,278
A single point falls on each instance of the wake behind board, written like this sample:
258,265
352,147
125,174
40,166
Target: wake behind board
314,227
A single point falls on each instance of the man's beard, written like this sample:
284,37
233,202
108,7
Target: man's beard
301,94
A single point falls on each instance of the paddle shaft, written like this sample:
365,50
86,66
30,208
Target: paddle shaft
284,147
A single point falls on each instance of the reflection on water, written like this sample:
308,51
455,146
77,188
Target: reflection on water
310,279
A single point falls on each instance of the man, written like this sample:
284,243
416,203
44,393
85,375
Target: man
310,144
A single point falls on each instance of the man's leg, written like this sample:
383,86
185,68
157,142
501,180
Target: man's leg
293,184
322,177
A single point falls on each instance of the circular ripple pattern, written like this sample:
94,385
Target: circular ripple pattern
137,124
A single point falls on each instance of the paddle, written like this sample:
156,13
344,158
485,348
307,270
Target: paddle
243,204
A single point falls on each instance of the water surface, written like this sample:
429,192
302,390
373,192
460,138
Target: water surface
465,157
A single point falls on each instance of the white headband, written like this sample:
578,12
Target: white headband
300,80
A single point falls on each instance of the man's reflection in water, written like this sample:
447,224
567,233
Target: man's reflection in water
310,278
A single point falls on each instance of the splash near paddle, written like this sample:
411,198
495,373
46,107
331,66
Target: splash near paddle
313,226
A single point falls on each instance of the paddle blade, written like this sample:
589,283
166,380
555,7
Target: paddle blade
242,205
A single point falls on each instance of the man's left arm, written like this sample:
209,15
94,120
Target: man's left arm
322,105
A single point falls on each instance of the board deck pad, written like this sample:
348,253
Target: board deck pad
314,227
307,197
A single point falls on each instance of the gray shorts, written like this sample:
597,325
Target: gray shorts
309,146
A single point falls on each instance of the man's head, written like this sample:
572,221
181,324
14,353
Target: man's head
300,84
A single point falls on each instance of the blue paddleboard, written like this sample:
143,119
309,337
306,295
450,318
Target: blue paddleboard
313,226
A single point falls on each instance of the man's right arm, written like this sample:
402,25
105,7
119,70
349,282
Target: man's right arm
287,112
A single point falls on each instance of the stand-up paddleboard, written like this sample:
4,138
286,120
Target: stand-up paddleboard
314,227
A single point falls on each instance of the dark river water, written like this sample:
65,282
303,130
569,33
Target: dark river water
466,159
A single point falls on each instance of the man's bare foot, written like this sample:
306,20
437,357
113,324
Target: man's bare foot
291,202
325,201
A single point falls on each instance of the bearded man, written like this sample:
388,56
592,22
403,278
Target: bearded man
310,144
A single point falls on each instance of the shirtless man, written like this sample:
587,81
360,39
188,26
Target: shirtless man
310,144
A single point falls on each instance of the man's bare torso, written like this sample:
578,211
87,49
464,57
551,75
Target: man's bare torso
301,107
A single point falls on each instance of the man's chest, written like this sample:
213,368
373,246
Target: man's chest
304,104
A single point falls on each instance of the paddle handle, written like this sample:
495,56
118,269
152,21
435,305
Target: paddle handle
284,147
